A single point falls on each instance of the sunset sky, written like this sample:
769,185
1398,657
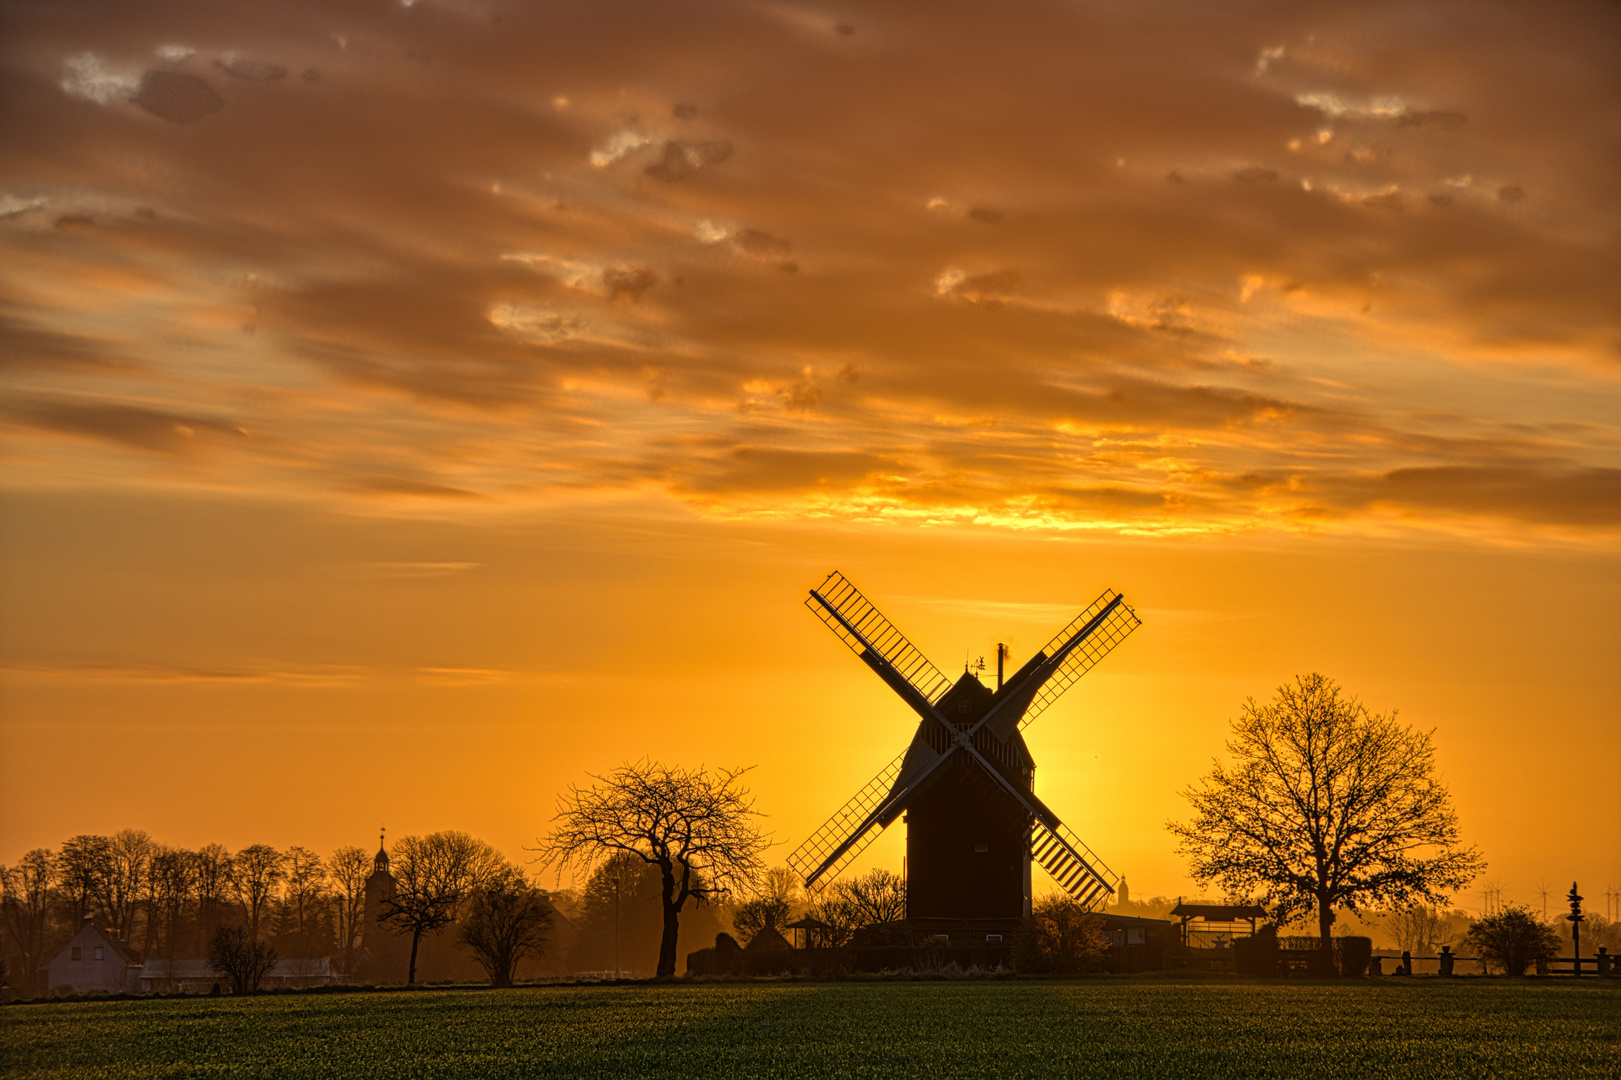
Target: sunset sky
412,408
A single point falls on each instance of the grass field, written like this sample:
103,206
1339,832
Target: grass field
1115,1028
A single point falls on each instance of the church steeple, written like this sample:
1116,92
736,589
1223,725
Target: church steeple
380,864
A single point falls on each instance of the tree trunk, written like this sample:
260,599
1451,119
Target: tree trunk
672,912
1325,924
411,972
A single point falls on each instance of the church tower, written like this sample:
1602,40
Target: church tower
381,957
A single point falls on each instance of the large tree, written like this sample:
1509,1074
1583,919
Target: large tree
433,875
349,867
255,871
695,826
25,898
1325,805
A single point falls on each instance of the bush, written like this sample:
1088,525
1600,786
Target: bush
234,953
1513,940
1355,952
1059,937
1258,953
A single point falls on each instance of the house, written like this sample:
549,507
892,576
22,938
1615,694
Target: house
93,961
191,975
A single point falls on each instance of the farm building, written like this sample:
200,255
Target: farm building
92,961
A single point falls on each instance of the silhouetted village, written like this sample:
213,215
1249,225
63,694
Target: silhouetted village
686,890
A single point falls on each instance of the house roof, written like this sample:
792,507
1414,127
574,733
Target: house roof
809,922
768,938
89,932
1219,912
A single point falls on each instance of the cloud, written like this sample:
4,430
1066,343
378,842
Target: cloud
500,263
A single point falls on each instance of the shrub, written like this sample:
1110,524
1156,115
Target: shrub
1513,939
1060,937
236,954
1355,952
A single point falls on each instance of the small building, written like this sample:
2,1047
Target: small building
769,937
193,975
1215,926
94,961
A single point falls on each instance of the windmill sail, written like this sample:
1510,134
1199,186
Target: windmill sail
1118,621
1072,865
842,837
874,638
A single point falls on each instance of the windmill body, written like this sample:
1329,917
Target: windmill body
967,838
965,783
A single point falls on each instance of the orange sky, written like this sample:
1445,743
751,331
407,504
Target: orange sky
409,409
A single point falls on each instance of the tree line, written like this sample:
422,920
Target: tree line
245,908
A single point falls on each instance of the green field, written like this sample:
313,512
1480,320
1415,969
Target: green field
1116,1028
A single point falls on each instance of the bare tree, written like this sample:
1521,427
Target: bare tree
781,883
25,897
306,882
171,878
349,868
696,827
130,852
85,863
506,920
876,897
755,915
241,957
1325,806
1420,929
255,872
433,875
213,886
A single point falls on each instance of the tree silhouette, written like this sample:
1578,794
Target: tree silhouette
1325,805
235,953
1513,939
255,871
349,867
696,827
433,874
25,897
506,920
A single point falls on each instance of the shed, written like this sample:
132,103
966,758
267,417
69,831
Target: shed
1214,926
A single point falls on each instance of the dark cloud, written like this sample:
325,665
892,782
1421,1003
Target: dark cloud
177,97
132,426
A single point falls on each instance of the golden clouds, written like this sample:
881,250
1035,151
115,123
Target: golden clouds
507,257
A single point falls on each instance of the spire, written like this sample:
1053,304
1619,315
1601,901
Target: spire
380,864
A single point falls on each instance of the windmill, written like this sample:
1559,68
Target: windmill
966,781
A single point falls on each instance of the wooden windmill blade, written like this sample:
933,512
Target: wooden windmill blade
846,834
875,639
1072,865
1116,623
871,636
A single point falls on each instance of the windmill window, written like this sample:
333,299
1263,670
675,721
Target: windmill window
981,845
993,939
964,705
98,952
75,955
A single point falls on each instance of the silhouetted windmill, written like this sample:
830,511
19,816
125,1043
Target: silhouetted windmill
966,782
